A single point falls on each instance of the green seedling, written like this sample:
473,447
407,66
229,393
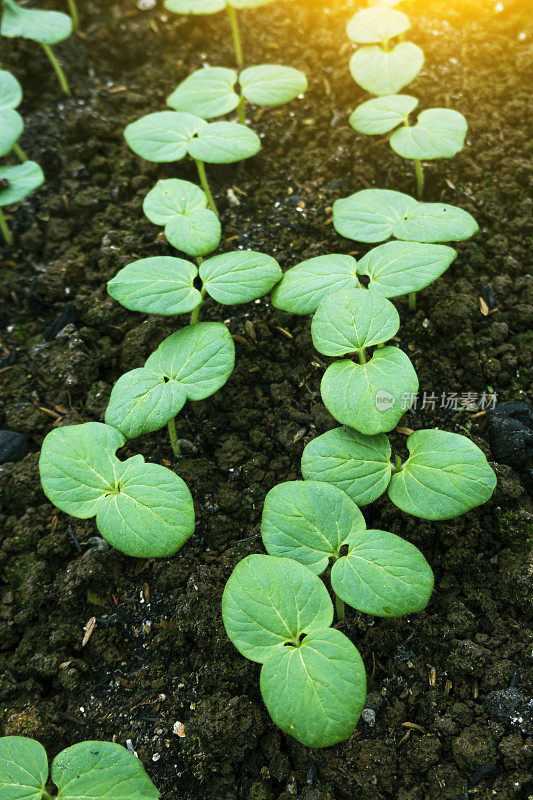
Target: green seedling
381,67
85,771
212,7
16,183
320,526
367,394
278,613
11,123
445,475
144,510
210,92
171,135
45,27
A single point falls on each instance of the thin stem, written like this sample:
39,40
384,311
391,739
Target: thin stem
339,608
74,14
174,438
195,314
240,110
412,301
205,184
362,355
232,14
6,233
57,67
19,152
419,178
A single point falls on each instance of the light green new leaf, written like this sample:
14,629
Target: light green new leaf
272,84
315,692
383,72
438,133
240,276
224,143
357,464
142,401
157,285
381,115
208,92
268,602
46,27
368,397
383,575
309,521
10,90
376,25
164,135
304,286
351,320
101,771
172,197
445,475
23,768
436,222
11,127
195,6
197,233
397,268
22,180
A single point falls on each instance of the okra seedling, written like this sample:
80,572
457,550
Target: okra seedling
279,614
46,27
171,135
11,124
210,91
86,771
16,183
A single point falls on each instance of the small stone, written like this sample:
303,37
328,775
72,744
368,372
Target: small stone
13,446
369,716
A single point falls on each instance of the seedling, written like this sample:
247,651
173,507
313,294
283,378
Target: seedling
170,136
46,27
85,771
278,613
16,183
380,67
210,92
144,510
11,123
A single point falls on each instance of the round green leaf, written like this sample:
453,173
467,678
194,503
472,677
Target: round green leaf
376,25
158,285
351,320
309,521
164,135
371,214
11,127
23,768
445,475
438,133
315,692
383,575
435,222
224,143
101,771
208,92
357,464
272,84
381,115
195,6
46,27
10,90
196,234
397,268
22,180
200,357
268,602
383,72
172,197
304,286
368,397
240,276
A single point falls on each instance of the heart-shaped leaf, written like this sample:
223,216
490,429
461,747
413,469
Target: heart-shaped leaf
309,521
240,276
157,285
397,268
368,397
195,6
357,464
208,92
196,234
172,197
438,133
10,90
445,475
164,135
21,180
383,575
323,690
351,320
224,143
381,115
11,127
46,27
23,768
272,84
384,72
376,25
304,286
436,222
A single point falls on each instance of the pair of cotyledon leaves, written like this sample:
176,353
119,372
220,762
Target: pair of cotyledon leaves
209,92
86,771
45,27
144,510
11,123
380,70
210,6
21,180
438,132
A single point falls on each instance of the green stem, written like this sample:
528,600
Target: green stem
205,184
74,14
339,608
57,67
232,14
6,233
174,438
412,301
195,314
362,355
240,110
419,178
19,152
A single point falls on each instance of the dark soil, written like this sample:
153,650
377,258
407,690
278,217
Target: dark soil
447,712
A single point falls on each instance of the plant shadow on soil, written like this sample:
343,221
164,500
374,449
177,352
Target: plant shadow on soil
158,653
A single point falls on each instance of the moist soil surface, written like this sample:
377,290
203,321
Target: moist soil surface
447,713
